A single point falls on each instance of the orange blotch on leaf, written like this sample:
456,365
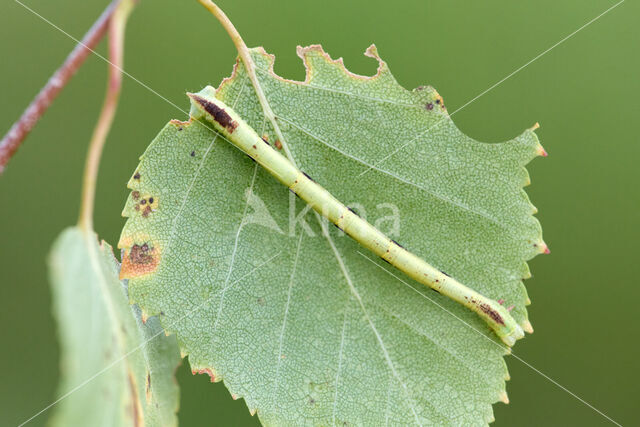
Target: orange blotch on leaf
139,260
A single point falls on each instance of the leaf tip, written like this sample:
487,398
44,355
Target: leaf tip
503,397
544,248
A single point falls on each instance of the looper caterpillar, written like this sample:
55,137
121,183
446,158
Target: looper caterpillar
239,133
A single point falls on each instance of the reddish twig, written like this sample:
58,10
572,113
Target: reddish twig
20,129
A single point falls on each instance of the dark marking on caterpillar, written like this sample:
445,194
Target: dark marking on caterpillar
385,260
305,174
337,226
255,146
294,193
491,313
218,114
445,273
354,212
266,141
398,244
252,159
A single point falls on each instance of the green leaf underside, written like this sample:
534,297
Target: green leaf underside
97,328
273,314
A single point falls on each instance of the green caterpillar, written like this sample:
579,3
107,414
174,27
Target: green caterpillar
239,133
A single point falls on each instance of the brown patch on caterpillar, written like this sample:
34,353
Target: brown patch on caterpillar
486,309
218,114
139,261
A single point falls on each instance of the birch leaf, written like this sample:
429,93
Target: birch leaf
116,370
306,328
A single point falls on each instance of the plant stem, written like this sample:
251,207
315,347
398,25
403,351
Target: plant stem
117,26
249,65
20,129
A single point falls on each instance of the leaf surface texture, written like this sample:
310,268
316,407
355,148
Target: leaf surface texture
302,326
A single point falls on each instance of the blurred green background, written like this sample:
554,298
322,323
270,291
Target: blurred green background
585,93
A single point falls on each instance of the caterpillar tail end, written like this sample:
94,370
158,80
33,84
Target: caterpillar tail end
500,320
511,337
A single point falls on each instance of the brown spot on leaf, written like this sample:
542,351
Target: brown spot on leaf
278,144
136,176
429,106
148,387
135,195
141,259
146,211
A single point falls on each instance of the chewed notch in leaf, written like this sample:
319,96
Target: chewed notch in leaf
285,310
